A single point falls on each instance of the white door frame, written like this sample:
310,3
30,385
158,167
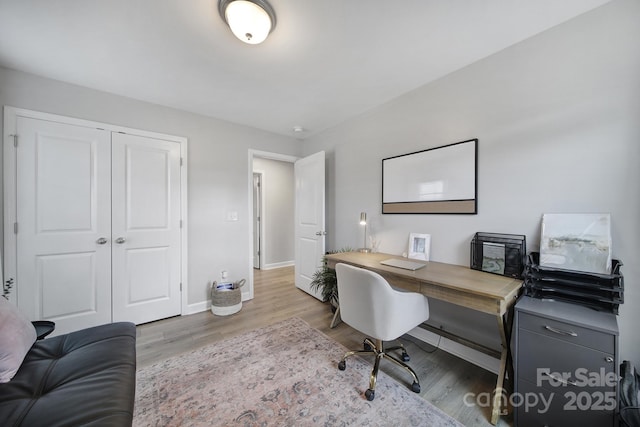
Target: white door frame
260,226
9,175
264,155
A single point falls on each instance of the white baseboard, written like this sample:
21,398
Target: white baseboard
476,357
278,265
197,307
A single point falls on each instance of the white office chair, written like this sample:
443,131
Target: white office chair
369,304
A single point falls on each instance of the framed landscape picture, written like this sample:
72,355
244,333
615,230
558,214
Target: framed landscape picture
579,242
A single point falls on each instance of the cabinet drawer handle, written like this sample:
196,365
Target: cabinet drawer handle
560,380
560,331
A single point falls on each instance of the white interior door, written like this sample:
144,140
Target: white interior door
309,219
63,205
146,228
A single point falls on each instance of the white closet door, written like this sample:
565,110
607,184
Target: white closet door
63,210
145,228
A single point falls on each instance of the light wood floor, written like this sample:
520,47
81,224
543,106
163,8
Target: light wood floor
445,379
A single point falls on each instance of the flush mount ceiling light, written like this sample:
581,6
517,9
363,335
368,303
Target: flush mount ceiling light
250,20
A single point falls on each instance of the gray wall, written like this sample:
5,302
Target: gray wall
278,192
558,122
217,160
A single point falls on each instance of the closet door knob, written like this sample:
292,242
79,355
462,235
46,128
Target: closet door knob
101,241
120,240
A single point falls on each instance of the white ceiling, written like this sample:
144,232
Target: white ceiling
326,61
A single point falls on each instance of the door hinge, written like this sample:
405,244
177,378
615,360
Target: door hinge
15,140
180,223
181,162
15,228
180,286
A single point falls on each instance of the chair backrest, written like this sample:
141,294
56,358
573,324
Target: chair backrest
369,304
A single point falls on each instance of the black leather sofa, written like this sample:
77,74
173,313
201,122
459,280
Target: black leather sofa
84,378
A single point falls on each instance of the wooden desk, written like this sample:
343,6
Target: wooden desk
484,292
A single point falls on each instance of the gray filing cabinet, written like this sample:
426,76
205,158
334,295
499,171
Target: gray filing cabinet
566,365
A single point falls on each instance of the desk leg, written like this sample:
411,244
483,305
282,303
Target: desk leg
336,318
496,408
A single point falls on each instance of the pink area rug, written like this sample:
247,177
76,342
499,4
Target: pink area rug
281,375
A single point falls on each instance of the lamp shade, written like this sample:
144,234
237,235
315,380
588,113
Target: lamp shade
250,21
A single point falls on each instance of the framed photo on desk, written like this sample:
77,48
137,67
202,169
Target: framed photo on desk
419,246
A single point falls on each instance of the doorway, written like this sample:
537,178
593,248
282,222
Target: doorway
308,185
274,207
265,207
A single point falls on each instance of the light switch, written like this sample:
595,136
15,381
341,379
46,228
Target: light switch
232,215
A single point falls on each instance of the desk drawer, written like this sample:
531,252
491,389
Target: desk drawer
567,332
540,356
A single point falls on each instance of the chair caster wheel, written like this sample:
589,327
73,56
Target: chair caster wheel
369,394
415,387
405,357
342,365
367,347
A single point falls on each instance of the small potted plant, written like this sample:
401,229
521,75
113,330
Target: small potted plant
325,281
